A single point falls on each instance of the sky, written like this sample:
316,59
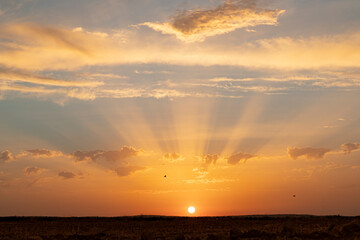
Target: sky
122,107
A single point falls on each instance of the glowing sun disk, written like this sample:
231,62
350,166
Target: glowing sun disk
191,210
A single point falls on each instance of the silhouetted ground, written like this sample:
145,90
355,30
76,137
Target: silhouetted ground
157,227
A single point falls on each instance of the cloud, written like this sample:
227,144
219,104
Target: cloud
173,157
230,86
80,156
33,170
207,181
111,156
6,156
54,37
118,156
349,147
59,95
26,50
170,93
123,153
122,93
197,25
210,159
104,76
28,77
41,153
66,175
84,90
206,161
308,153
11,6
36,47
238,157
338,84
125,171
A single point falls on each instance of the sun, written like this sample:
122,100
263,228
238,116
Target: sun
191,209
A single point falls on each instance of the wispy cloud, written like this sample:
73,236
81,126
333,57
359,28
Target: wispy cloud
242,88
28,77
10,6
58,95
104,76
198,24
207,181
35,47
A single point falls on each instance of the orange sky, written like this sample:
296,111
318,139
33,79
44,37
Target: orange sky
241,104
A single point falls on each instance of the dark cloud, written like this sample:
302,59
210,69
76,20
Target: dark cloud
308,153
6,156
66,175
86,155
238,157
124,171
349,147
33,170
123,153
111,156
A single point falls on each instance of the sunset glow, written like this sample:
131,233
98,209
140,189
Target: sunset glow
113,108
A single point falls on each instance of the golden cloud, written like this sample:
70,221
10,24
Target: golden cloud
197,25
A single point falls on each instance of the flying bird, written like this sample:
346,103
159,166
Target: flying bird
164,176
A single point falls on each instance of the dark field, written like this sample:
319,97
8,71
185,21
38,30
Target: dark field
156,227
